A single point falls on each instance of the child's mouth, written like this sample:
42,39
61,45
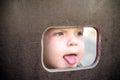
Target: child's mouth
70,58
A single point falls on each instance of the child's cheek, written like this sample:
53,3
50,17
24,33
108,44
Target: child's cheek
58,44
58,40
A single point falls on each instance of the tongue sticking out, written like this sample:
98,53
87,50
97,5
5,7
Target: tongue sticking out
71,59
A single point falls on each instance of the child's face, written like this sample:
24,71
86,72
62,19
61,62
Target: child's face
63,47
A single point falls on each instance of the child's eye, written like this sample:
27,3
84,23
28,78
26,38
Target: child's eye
59,33
79,33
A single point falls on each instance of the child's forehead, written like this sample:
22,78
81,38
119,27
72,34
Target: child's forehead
64,28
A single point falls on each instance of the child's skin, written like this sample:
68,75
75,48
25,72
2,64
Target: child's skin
63,47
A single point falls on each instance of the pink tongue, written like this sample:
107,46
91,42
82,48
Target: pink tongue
71,59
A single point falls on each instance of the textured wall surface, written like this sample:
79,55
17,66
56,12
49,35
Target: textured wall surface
23,21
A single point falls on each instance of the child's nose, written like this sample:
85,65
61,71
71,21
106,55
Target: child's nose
72,41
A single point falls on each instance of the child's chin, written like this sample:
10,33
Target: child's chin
70,66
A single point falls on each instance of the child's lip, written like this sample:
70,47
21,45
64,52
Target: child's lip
71,54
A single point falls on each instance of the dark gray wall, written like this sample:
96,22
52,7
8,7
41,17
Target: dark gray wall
23,21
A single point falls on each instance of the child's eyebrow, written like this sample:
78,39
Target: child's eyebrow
81,30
